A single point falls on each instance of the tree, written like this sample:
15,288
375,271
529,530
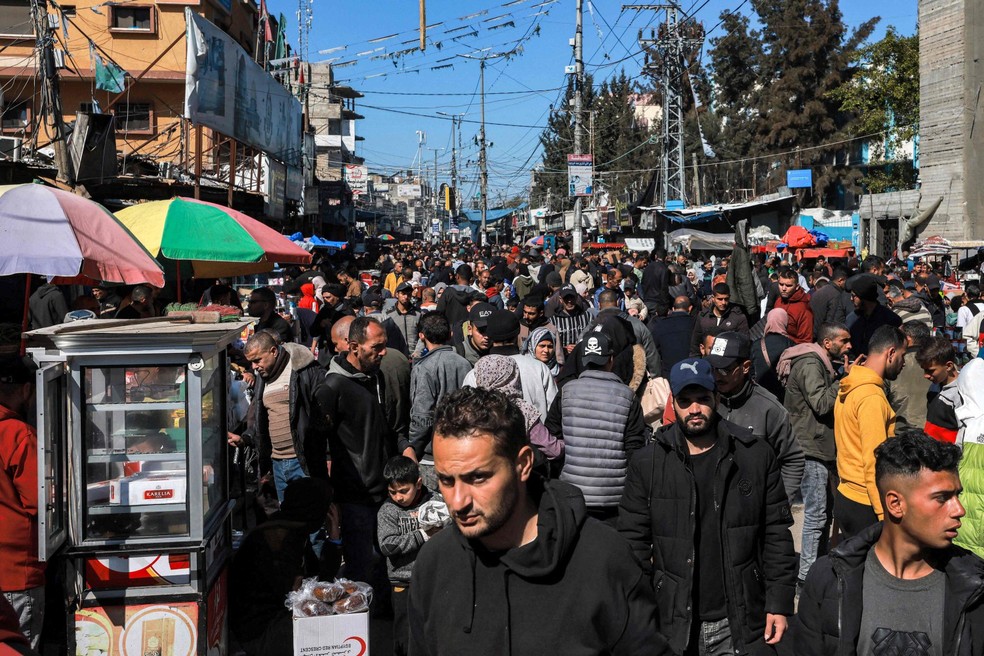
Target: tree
883,99
619,140
807,55
557,140
736,61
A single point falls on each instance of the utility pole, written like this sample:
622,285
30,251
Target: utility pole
51,97
483,155
578,101
453,210
668,55
434,194
482,161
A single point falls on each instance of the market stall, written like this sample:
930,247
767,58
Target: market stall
134,482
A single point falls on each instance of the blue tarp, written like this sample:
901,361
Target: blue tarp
318,242
491,216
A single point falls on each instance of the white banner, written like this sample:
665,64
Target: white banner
357,178
408,191
229,92
579,174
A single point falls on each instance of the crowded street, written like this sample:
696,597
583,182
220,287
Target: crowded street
526,328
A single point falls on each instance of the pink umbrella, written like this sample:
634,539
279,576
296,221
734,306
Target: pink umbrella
54,233
50,232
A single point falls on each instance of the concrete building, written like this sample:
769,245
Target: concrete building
146,39
951,141
951,144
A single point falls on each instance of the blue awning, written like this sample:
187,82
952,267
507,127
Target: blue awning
491,216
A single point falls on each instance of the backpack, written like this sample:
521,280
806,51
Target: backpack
972,333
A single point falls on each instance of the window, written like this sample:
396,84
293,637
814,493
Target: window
129,18
134,117
16,116
334,126
69,11
15,19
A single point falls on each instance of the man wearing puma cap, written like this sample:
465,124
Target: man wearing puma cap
705,509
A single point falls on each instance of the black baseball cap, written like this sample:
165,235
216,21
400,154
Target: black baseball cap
503,326
728,348
567,290
404,287
692,371
479,315
595,348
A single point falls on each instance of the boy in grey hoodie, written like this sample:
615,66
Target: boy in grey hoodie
401,537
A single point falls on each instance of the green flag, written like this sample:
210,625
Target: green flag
109,77
280,49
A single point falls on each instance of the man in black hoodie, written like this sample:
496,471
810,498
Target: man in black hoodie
360,441
524,571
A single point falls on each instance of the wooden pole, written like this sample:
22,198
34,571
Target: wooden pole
423,25
198,162
232,171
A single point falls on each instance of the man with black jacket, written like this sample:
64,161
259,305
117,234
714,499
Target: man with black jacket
705,510
361,440
900,586
523,571
722,313
655,288
828,302
671,334
288,424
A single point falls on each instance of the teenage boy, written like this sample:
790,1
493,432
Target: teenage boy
400,537
938,361
900,586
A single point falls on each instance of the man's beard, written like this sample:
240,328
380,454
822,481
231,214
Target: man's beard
367,366
693,431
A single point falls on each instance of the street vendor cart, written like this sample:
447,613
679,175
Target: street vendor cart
134,503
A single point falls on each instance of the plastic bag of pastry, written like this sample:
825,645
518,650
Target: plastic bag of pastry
433,514
304,603
354,603
329,592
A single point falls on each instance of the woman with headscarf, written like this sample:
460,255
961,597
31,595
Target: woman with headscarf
767,351
541,345
500,372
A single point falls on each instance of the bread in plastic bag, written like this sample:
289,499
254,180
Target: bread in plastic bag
316,598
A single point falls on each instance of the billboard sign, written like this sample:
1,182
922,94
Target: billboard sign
408,191
579,173
799,179
357,178
229,92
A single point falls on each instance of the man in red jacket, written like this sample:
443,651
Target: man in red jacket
796,303
21,574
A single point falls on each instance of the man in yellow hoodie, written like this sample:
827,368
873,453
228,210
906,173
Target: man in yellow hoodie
863,419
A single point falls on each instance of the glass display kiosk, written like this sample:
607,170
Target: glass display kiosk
134,480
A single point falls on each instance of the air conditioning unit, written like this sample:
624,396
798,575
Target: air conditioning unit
10,148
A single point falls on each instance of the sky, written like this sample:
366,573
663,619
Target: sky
403,95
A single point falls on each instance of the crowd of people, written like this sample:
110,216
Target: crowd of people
619,438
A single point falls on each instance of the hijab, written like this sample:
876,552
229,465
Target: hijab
776,322
536,336
500,372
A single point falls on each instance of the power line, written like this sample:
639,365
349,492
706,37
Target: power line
487,93
443,118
